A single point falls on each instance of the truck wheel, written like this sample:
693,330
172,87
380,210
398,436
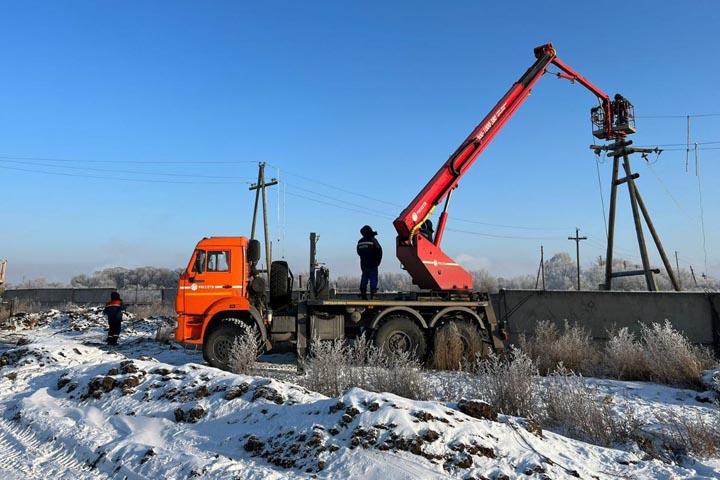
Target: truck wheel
475,341
217,344
280,286
400,334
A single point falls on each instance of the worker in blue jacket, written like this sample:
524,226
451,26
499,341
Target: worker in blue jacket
370,253
114,310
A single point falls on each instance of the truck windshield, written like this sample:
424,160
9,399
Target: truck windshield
199,264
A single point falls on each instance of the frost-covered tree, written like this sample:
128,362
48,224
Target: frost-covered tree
560,272
119,277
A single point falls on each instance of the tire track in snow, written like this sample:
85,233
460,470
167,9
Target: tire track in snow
13,457
22,451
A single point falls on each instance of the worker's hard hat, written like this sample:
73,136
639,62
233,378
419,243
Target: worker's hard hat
367,230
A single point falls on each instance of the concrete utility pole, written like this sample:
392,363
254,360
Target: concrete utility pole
577,239
259,187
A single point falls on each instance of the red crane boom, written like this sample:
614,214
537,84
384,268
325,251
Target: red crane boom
417,250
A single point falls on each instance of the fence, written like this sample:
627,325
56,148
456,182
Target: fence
54,297
693,313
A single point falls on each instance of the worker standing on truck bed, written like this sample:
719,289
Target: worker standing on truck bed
113,310
370,253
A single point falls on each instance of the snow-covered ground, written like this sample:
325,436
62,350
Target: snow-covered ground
70,408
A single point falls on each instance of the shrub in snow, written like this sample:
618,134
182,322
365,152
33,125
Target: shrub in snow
580,411
334,366
448,351
165,333
624,357
671,358
572,348
244,350
681,435
508,383
326,366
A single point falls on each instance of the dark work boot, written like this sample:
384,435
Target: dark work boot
363,294
373,291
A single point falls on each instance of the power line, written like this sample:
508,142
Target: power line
334,187
512,237
143,180
131,172
355,205
519,227
680,116
676,144
158,162
363,211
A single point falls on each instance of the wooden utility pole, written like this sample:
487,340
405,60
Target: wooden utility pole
621,149
260,189
677,269
541,269
577,239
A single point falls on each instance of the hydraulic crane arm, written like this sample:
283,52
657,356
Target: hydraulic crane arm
417,250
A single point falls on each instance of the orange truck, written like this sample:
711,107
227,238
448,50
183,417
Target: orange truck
221,289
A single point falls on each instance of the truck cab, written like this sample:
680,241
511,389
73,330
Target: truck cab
219,285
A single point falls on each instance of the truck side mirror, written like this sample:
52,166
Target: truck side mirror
253,252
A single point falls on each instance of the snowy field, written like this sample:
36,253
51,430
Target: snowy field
70,408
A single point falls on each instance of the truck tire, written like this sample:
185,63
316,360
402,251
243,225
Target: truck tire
400,334
475,340
217,344
280,284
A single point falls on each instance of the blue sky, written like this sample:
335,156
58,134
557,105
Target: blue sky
130,130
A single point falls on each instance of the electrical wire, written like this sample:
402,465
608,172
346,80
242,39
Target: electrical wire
334,187
363,211
702,217
667,190
602,199
314,192
676,144
491,235
158,162
130,172
518,227
100,177
679,116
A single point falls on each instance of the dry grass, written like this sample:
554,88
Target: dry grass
671,358
508,383
661,354
27,307
334,366
152,310
625,357
244,350
572,347
448,353
680,437
580,411
165,332
4,311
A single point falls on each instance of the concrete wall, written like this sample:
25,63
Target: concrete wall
53,297
693,313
